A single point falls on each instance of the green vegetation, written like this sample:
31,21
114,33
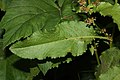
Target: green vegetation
44,38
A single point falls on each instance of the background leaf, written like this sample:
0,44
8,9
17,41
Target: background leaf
9,72
107,9
68,37
23,17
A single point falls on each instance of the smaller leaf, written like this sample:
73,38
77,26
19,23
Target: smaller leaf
45,67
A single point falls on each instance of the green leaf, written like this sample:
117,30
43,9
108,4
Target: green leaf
70,36
9,72
23,17
109,58
112,74
107,9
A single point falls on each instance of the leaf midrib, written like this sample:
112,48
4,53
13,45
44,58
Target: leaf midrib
73,38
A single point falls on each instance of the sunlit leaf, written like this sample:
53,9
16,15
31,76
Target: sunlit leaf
68,37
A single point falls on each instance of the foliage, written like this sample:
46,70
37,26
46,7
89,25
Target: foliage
109,59
49,33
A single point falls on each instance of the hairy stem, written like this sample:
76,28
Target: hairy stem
96,54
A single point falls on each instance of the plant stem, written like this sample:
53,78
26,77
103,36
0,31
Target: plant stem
97,58
96,54
78,76
89,1
116,1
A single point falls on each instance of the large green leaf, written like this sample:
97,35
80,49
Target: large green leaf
9,72
70,36
112,74
107,9
23,17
